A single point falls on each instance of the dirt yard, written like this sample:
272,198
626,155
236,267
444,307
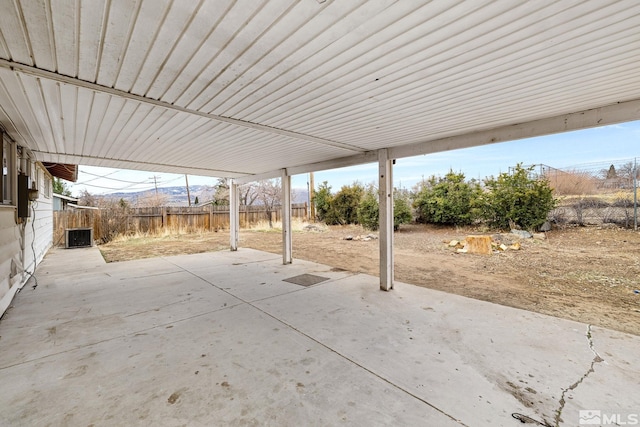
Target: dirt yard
586,274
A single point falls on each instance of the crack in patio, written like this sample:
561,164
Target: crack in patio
596,359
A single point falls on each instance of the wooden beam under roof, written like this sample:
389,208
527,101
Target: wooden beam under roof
62,171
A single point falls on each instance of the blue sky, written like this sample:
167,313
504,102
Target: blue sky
602,145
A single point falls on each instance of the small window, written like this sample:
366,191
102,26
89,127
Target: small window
8,171
46,188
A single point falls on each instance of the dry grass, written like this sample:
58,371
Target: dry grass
602,197
297,224
163,233
140,237
574,183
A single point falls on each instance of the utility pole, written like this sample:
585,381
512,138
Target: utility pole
155,183
188,193
312,204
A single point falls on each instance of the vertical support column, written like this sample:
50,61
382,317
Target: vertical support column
385,196
312,198
286,218
234,214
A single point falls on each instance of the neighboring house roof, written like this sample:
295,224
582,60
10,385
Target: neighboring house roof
70,199
63,171
83,207
258,87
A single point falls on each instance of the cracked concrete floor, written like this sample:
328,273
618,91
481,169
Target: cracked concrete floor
221,339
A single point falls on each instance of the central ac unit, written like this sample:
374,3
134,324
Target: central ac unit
79,237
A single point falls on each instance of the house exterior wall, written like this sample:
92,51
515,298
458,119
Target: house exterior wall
10,256
39,226
24,242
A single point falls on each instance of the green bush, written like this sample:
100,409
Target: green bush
339,208
344,206
323,200
369,210
518,199
449,200
401,211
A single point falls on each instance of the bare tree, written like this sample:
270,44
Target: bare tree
248,193
626,172
151,199
269,194
87,199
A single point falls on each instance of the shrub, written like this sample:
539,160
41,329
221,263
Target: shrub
517,199
449,200
369,210
323,199
344,206
623,214
341,208
401,211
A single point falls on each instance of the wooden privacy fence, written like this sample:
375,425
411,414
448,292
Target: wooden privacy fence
80,218
107,223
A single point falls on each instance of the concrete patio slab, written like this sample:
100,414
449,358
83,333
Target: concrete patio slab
220,339
260,279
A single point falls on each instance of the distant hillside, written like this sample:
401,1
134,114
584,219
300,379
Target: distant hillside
177,196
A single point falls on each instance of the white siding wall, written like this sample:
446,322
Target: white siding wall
10,256
17,242
40,221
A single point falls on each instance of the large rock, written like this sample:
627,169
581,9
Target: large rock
522,233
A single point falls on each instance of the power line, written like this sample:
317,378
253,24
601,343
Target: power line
116,189
600,164
111,179
113,188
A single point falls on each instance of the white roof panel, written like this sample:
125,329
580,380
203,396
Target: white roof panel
231,88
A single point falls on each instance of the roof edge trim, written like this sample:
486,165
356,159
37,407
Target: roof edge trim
602,116
620,112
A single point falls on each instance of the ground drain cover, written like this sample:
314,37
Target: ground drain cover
305,279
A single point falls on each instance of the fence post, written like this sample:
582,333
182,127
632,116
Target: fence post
210,216
164,217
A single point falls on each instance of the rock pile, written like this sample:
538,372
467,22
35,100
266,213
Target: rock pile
486,245
363,238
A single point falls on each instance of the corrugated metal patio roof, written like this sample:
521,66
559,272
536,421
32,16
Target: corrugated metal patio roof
230,88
